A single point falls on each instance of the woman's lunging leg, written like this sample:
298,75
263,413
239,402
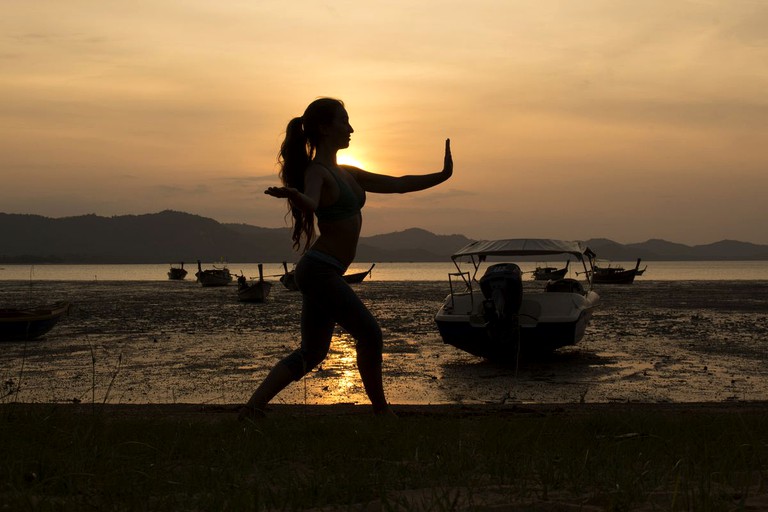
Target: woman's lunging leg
316,332
278,379
352,315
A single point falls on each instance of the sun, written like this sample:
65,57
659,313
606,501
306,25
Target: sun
349,159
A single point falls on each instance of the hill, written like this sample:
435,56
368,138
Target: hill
661,250
410,245
153,238
171,236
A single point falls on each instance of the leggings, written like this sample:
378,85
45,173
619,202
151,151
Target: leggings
327,300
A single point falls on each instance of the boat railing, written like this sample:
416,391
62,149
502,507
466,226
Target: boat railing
467,284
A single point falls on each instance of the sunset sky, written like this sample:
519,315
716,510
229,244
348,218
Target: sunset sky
598,118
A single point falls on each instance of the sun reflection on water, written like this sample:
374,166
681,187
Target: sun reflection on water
338,375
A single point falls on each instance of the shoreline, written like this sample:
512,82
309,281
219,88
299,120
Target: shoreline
190,410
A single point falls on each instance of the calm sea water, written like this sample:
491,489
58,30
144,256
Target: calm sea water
657,271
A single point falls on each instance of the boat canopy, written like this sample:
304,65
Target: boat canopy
520,247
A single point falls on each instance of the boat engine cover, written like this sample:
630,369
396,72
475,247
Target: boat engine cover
503,285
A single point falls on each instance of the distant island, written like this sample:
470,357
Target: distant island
171,236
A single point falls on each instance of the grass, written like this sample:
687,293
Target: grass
93,458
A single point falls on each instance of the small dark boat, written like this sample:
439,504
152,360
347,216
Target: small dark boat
213,277
615,275
20,324
288,279
177,271
550,273
255,291
359,276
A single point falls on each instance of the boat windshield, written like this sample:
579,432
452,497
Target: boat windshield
478,252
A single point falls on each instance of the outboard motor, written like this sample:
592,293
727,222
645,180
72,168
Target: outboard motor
502,287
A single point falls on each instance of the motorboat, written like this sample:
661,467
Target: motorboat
217,276
254,291
30,323
497,317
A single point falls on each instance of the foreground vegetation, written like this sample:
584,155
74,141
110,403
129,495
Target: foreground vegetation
79,458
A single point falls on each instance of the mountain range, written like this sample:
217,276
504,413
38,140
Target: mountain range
171,236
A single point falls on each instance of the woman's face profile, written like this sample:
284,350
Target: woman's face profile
338,132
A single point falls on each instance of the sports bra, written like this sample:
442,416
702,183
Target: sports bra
347,205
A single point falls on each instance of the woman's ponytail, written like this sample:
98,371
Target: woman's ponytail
294,158
296,152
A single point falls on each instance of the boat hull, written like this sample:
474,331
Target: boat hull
359,276
544,275
177,274
546,320
213,278
533,340
616,275
256,292
621,277
550,273
289,280
217,276
30,324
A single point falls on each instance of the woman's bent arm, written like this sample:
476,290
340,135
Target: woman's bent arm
308,200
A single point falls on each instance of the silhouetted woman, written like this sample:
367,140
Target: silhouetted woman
316,186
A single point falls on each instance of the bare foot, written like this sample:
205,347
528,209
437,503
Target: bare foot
386,412
247,412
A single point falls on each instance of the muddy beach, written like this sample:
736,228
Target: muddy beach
175,342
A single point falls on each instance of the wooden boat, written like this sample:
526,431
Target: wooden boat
289,281
20,324
550,273
213,277
177,271
615,275
358,276
498,318
256,291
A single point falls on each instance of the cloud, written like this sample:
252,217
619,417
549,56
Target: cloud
251,180
437,195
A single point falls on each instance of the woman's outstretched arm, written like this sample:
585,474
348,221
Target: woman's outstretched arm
384,184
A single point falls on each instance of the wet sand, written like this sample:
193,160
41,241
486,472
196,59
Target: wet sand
653,342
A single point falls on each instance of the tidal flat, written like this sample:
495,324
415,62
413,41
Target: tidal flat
176,342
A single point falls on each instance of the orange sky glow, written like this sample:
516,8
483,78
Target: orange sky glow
601,118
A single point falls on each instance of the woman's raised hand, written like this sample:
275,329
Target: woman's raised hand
281,192
448,160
